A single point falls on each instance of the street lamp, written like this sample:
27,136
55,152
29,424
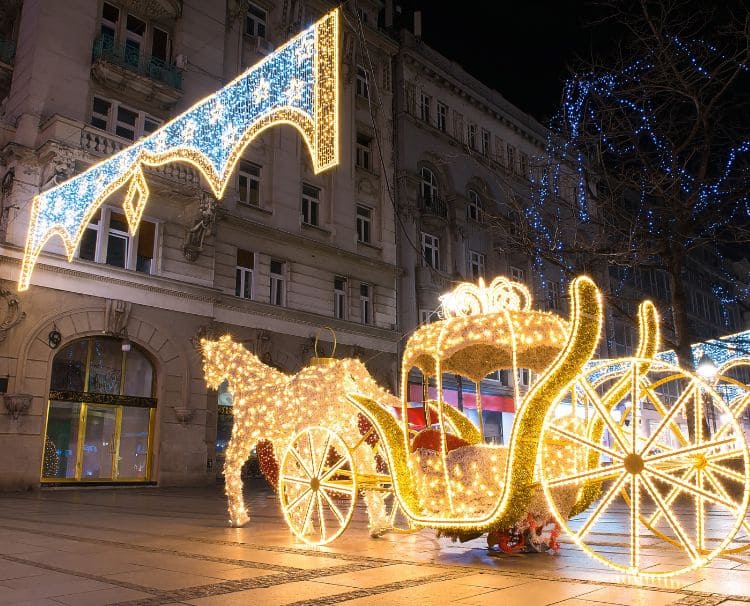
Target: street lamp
707,370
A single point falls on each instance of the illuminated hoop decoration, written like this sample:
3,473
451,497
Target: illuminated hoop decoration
298,84
705,475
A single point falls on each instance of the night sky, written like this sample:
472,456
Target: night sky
521,49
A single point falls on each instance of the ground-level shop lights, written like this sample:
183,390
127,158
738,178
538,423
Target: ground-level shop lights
577,446
297,84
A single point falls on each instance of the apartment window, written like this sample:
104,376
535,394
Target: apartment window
427,316
243,277
476,265
277,282
127,122
248,183
123,121
339,298
474,207
428,185
553,295
518,274
365,303
107,240
364,224
135,30
310,204
431,250
511,158
524,164
442,116
425,107
458,125
255,21
364,152
485,142
136,37
472,135
524,377
362,88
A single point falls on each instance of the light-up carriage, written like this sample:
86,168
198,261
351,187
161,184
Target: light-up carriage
578,455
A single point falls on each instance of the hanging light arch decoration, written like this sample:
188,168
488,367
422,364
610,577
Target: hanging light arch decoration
298,85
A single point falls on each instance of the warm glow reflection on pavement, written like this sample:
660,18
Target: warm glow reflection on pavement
154,546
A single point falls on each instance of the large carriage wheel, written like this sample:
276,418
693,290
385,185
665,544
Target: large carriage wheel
668,497
317,485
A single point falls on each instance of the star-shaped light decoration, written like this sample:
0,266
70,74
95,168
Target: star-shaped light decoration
261,93
295,90
217,112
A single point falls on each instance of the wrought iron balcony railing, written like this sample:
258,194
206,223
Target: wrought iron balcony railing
434,206
131,58
7,50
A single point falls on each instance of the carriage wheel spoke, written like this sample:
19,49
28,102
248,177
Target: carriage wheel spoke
635,506
614,430
581,440
308,513
298,499
333,469
323,454
667,418
678,452
729,454
694,490
302,464
320,517
595,474
604,503
667,512
662,410
337,488
293,480
716,484
727,473
336,511
673,494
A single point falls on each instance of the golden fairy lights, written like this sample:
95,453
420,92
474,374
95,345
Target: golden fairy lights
271,405
298,84
565,468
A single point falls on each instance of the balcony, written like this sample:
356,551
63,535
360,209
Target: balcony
433,206
121,66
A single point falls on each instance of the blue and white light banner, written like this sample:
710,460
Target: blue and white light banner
297,85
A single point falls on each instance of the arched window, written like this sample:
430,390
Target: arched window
428,185
474,206
100,414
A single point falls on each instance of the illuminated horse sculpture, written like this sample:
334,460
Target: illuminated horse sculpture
271,405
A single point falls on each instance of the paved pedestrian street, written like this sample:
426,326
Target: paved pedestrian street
156,546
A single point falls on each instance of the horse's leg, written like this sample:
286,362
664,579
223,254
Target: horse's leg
237,455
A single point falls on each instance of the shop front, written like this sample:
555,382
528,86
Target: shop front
100,414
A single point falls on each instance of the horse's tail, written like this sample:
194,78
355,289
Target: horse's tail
224,359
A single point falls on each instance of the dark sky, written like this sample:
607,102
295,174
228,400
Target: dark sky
520,49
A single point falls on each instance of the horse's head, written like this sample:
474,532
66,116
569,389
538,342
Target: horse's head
220,359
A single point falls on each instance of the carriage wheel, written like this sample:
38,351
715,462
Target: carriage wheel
677,494
317,485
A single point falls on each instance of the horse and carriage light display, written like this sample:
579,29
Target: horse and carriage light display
578,456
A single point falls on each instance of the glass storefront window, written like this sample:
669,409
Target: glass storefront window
101,413
59,459
133,463
139,374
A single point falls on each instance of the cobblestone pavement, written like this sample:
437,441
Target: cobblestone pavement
155,546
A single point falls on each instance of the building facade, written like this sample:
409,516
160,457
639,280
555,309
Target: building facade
98,359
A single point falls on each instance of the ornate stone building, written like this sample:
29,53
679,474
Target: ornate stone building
101,377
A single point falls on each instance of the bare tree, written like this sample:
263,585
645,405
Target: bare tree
647,162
